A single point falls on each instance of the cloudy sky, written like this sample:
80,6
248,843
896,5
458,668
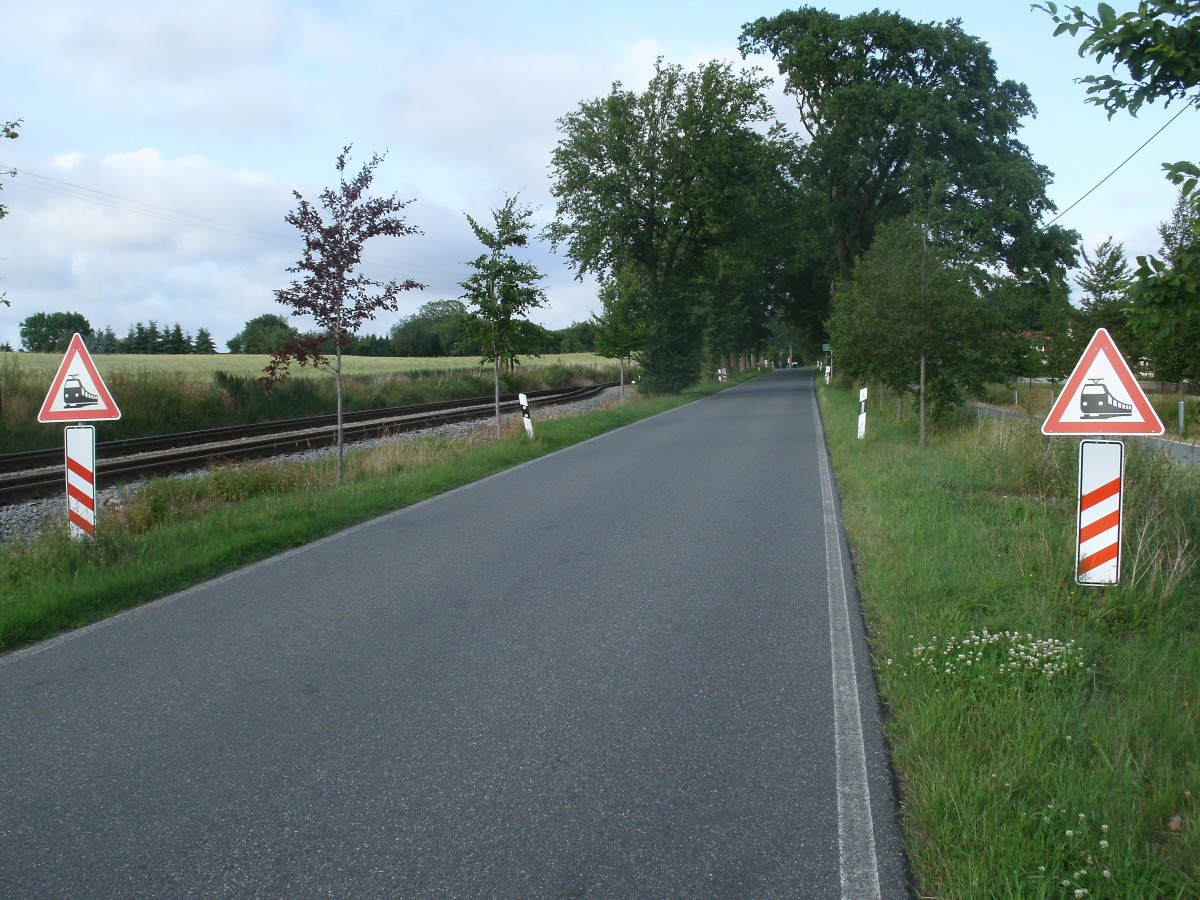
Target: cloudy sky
161,141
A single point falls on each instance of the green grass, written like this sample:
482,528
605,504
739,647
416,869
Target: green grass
174,533
1046,736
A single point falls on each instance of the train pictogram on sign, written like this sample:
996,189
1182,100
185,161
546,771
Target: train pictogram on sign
1097,402
76,395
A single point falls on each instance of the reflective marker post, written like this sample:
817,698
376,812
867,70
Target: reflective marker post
862,413
525,414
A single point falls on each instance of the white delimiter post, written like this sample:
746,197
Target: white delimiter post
525,414
862,413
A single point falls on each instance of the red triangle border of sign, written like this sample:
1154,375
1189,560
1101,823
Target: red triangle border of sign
1151,424
110,411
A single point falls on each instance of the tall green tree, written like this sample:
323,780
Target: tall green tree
331,288
502,289
898,113
51,332
267,333
1105,279
909,316
204,342
648,182
1175,352
618,325
438,328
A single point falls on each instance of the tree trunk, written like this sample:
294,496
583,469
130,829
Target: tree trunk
496,375
922,427
337,350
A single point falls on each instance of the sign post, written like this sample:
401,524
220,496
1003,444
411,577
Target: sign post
1102,397
78,394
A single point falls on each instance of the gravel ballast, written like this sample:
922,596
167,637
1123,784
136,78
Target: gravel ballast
25,520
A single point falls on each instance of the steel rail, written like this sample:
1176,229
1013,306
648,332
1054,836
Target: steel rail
119,462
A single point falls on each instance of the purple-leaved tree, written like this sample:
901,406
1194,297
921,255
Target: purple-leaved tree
330,288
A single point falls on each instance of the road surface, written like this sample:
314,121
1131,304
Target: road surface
634,668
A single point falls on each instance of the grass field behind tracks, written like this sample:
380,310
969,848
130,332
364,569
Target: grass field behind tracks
167,394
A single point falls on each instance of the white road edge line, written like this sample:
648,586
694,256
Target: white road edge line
858,865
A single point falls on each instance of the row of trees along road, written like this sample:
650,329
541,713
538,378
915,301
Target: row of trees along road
923,209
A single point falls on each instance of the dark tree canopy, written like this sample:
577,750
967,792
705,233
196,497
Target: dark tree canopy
906,115
267,333
51,332
659,185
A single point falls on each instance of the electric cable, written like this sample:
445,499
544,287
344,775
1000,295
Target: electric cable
1118,168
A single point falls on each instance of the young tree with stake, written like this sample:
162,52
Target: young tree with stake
502,289
330,289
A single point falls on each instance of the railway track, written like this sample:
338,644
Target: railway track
40,473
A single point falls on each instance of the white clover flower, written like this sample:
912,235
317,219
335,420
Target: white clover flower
1104,845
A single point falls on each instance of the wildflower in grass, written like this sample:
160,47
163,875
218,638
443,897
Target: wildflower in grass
1008,653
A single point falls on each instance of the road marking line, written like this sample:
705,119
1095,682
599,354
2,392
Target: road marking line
857,862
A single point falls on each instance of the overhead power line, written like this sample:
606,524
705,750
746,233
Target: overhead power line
45,184
1119,167
48,185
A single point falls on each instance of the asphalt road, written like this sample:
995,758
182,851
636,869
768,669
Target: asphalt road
634,668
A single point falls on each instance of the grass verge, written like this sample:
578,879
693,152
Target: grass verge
1046,736
176,532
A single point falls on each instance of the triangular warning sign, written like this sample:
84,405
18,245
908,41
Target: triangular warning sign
1102,396
78,393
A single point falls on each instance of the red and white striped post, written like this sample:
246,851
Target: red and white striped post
1101,476
80,443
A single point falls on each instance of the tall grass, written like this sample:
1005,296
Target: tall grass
165,400
1046,735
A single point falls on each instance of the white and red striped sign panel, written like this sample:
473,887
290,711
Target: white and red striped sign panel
1101,474
81,481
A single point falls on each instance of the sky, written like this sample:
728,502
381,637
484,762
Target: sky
161,143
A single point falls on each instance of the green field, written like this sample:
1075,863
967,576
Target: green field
169,394
202,367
